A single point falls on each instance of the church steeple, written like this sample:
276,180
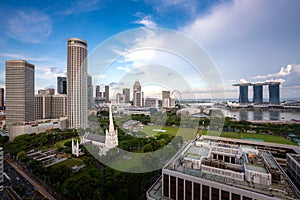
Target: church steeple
111,128
111,139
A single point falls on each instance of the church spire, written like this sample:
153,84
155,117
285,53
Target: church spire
111,128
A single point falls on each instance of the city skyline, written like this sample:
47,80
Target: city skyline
265,49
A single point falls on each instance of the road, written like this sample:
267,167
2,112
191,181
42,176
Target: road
30,180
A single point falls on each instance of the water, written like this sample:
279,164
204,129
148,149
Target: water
265,115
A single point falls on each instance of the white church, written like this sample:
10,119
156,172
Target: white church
104,142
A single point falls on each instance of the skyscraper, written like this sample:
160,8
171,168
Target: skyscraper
257,93
90,92
98,94
77,83
126,93
1,98
243,98
274,96
19,92
138,99
61,85
107,93
166,99
136,88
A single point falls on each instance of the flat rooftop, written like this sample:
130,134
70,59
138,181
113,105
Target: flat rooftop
257,168
281,190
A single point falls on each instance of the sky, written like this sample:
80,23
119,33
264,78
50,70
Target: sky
245,40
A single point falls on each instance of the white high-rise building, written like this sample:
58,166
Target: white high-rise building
77,83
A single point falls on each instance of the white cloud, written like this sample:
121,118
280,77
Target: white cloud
146,21
28,26
23,57
284,71
81,6
243,81
48,73
126,69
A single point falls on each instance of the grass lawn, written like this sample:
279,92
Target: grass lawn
61,143
127,163
255,136
189,134
186,133
71,162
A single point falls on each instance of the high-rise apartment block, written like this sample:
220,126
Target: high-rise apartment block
50,106
43,106
62,85
1,98
77,83
59,106
19,92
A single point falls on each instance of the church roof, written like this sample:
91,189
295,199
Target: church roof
94,137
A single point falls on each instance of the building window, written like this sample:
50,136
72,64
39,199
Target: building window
196,191
188,190
224,195
235,196
227,158
247,198
215,193
173,187
205,192
166,185
180,189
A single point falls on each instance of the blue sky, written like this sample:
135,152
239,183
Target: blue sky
248,40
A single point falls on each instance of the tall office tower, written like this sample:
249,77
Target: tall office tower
1,98
43,106
166,99
257,93
61,85
126,93
59,106
98,94
1,165
243,98
136,88
90,92
138,99
77,83
19,92
50,91
274,96
107,93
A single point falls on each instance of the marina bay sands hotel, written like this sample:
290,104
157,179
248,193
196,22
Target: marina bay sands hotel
274,94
